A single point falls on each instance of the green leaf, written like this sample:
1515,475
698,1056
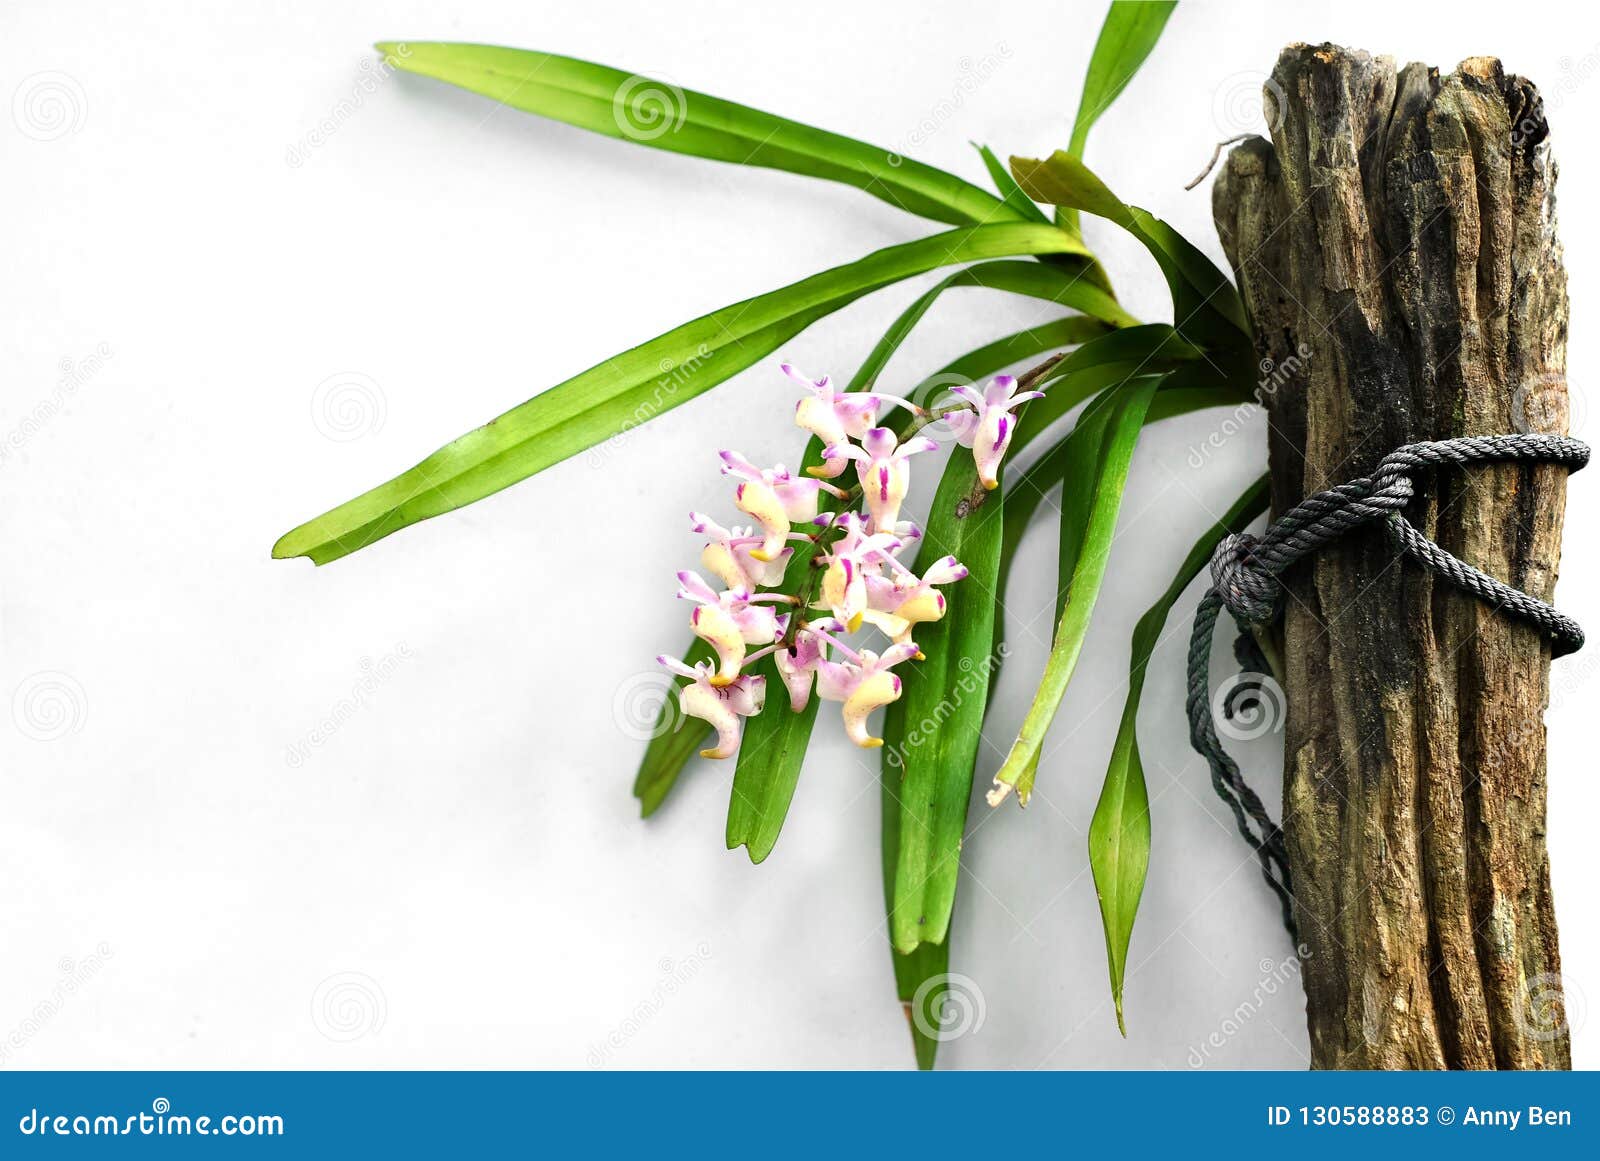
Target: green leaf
973,366
664,116
1207,311
944,699
771,754
994,357
674,739
1119,833
916,974
1020,203
636,386
1111,358
1098,456
1131,30
1046,283
773,749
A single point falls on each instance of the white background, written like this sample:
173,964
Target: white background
455,874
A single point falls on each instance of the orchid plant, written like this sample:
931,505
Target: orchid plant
817,596
863,577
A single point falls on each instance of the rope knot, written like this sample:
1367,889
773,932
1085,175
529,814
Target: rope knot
1246,587
1244,580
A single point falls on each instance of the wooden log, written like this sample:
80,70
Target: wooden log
1396,245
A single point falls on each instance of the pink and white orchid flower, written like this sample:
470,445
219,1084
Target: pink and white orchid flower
862,683
727,555
797,663
851,559
835,416
721,706
881,465
773,497
987,429
729,621
896,604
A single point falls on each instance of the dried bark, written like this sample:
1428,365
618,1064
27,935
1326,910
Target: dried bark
1396,245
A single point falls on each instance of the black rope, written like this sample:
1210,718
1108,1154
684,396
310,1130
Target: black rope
1245,575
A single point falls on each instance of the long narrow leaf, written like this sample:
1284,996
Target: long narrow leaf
1025,207
944,700
774,746
636,386
1097,471
665,757
916,973
1207,310
1111,358
664,116
1119,833
1130,31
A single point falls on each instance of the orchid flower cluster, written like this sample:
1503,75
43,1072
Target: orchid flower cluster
863,580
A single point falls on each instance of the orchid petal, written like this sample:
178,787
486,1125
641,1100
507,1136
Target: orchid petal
874,690
713,625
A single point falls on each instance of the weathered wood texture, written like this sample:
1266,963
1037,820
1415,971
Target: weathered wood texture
1396,246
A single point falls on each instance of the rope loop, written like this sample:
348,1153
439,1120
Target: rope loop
1245,580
